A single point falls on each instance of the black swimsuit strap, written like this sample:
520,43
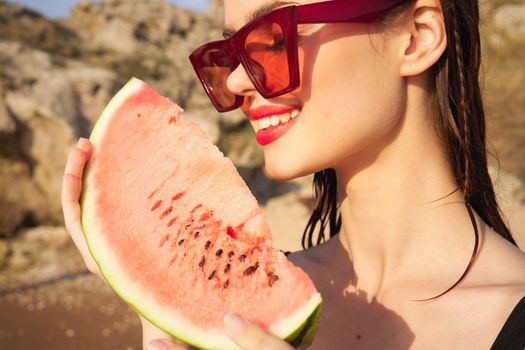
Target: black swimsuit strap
512,335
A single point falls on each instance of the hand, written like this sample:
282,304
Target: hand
162,340
246,334
250,336
71,188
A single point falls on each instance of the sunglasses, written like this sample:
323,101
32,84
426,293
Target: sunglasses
267,48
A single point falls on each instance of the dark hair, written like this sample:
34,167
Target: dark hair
460,122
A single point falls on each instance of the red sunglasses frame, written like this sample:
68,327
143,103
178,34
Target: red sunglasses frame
335,11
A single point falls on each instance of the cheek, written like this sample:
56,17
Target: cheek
354,87
351,101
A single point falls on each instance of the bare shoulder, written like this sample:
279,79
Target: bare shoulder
315,257
502,262
474,313
495,286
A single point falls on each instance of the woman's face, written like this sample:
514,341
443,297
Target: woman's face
350,97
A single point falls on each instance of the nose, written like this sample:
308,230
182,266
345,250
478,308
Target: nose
239,83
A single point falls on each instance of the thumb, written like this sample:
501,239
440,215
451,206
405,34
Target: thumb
250,336
164,344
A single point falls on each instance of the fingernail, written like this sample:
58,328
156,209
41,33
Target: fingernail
233,323
82,142
157,344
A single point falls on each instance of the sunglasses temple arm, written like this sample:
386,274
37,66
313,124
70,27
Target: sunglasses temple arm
344,10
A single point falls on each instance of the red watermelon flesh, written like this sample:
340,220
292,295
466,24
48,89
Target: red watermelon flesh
176,232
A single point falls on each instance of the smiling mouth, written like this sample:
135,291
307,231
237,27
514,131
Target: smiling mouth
275,120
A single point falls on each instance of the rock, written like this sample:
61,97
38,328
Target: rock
4,253
50,237
262,187
209,124
232,120
216,12
21,201
55,88
287,218
510,194
31,28
154,39
7,124
39,245
240,146
125,27
55,102
22,65
511,20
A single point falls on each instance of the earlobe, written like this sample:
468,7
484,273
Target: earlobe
428,39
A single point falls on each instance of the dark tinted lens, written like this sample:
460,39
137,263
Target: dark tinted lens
216,69
267,52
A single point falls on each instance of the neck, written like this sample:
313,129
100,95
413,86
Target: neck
396,215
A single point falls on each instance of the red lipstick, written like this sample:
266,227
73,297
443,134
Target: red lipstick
272,133
266,111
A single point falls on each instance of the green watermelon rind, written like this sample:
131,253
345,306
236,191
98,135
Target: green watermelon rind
304,336
300,335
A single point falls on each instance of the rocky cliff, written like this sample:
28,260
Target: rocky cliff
56,76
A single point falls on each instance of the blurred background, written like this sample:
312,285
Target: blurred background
60,63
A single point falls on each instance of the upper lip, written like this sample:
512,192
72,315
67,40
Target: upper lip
265,111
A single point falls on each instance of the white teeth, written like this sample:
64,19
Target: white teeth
265,123
284,117
275,120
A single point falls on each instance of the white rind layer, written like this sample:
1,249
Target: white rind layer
282,328
132,87
134,293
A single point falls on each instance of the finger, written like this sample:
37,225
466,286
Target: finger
75,162
164,344
151,332
71,186
85,145
72,180
249,336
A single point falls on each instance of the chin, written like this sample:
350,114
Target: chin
284,171
279,172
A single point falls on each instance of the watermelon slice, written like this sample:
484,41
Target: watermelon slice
176,232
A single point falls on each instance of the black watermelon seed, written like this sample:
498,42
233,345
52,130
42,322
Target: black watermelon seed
197,234
186,227
242,257
211,275
251,269
231,253
227,268
203,260
218,252
181,241
272,279
225,285
207,245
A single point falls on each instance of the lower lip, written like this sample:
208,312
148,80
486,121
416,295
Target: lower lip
269,135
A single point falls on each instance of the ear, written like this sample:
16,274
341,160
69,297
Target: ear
426,40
